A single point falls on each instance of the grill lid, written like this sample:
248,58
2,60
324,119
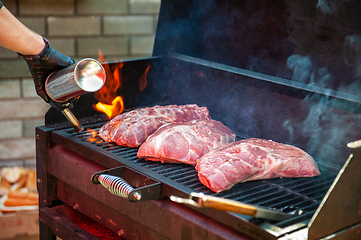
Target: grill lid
314,42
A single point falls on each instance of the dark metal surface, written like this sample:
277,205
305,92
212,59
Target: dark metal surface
341,206
46,184
314,42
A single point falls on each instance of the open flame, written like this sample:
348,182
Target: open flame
143,80
109,103
113,109
92,136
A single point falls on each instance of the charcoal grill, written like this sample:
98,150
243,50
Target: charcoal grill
286,71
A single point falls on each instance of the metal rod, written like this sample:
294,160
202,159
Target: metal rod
73,120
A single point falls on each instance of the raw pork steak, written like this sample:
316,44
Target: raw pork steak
185,142
253,159
132,128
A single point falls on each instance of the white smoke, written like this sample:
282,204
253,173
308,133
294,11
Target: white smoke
304,71
331,6
301,66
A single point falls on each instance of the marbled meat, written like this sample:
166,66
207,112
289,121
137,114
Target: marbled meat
132,128
253,159
185,142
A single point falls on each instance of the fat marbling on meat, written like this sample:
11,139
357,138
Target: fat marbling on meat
253,159
132,128
185,142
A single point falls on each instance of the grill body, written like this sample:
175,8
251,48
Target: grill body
229,57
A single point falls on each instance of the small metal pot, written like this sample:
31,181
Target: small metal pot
88,75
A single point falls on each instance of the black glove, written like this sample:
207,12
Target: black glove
42,65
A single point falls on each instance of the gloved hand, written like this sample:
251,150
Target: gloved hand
42,65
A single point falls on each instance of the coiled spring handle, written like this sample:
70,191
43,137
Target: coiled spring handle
113,181
118,186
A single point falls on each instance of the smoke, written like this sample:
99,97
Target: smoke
301,66
306,72
327,127
331,6
328,130
324,6
352,53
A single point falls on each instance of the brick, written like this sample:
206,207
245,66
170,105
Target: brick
64,45
46,8
102,7
9,89
11,6
6,53
107,45
11,163
37,24
144,6
11,129
30,125
123,25
30,163
14,69
142,45
155,21
28,88
73,26
17,149
18,109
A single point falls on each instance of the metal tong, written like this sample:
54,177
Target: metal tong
200,200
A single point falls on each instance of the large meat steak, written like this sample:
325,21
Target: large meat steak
185,142
131,129
253,159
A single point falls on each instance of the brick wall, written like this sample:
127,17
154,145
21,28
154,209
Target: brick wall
120,29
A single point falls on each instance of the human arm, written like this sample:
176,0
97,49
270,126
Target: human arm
17,37
41,59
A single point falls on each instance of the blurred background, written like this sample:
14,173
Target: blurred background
120,29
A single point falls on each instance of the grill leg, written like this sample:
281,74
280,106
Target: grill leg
45,184
45,232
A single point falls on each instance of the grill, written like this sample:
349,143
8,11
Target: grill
287,194
249,64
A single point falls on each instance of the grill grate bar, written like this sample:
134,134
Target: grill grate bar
296,219
185,177
294,201
245,189
305,194
165,171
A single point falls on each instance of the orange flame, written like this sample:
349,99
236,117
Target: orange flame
113,109
143,80
93,136
109,103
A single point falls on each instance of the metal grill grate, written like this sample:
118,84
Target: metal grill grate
286,194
